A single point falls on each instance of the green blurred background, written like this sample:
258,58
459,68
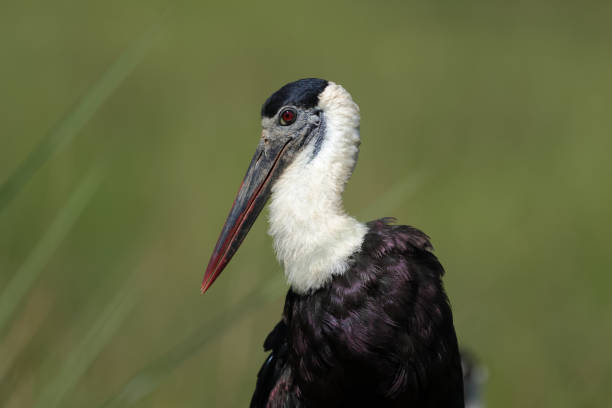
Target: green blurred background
126,127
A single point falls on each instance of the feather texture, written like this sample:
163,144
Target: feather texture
381,334
313,236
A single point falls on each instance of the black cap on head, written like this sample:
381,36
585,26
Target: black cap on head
303,93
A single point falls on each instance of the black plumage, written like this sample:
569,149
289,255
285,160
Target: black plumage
380,335
303,93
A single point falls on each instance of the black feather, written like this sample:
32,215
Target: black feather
379,335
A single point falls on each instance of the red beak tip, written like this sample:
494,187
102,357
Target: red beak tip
206,284
204,287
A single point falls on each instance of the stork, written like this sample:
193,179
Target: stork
366,320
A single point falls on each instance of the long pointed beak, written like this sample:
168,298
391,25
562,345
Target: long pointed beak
250,200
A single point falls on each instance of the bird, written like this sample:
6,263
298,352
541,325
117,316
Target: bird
366,320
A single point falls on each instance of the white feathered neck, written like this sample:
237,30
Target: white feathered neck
313,236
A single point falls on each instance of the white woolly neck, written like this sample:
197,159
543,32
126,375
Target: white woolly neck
313,236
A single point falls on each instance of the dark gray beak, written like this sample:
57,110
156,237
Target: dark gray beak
268,162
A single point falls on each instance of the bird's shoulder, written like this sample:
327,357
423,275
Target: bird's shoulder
395,259
385,238
394,277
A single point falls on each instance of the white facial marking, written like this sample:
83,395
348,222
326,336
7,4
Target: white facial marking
313,236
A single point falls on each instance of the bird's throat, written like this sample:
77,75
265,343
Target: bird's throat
313,236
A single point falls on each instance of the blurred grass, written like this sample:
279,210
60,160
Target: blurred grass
102,330
68,127
26,275
149,378
486,124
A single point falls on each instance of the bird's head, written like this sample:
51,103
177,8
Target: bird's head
296,122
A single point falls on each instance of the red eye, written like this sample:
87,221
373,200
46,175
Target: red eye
287,117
